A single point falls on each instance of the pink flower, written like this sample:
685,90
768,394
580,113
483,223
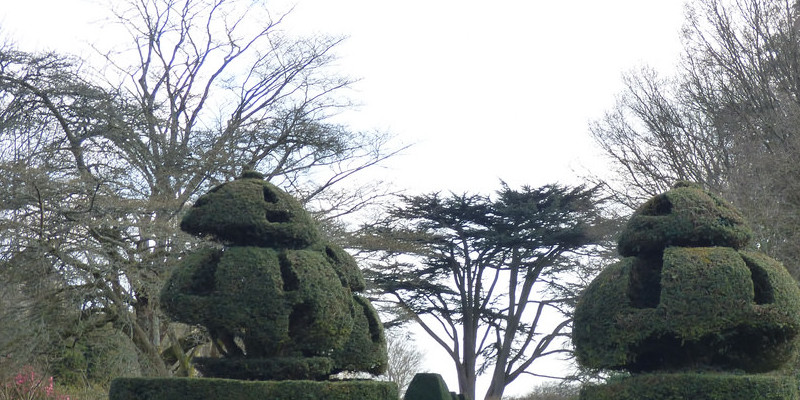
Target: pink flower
29,385
49,389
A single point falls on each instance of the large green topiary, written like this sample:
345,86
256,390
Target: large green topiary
272,291
687,297
228,389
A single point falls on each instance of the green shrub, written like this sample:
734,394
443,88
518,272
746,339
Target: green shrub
250,211
427,386
271,288
707,314
366,348
695,386
687,297
685,216
275,368
227,389
687,301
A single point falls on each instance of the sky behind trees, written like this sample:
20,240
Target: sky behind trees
482,90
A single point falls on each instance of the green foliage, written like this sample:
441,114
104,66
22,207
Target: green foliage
274,368
274,290
366,348
250,211
427,386
71,367
707,315
346,268
679,308
684,216
94,359
225,389
696,387
551,391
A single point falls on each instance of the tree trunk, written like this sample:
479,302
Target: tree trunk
466,384
496,388
142,342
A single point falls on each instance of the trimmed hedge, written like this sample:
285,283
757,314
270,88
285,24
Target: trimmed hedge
275,368
695,387
685,216
686,296
227,389
271,291
428,386
708,313
279,302
251,211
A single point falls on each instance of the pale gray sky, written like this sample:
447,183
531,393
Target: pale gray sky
485,90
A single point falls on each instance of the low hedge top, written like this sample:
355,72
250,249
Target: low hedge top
684,216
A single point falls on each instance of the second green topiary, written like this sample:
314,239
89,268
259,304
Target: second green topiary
688,298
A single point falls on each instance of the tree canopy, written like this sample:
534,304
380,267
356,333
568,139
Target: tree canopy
98,162
481,275
726,118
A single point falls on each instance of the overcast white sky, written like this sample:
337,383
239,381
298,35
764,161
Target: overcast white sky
485,90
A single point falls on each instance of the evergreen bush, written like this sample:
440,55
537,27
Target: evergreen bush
228,389
427,386
686,299
696,386
270,291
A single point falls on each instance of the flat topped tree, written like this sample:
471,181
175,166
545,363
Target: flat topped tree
278,301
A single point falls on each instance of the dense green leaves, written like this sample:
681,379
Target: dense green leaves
427,386
679,303
688,299
708,386
226,389
277,301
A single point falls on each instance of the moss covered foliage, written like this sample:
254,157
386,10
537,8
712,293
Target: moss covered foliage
250,211
227,389
696,387
272,289
428,386
685,216
707,314
687,297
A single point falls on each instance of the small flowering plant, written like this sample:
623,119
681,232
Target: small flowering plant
28,385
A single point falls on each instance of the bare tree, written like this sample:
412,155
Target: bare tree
98,167
405,359
727,119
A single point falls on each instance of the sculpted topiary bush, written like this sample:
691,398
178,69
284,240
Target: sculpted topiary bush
278,301
688,296
428,386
